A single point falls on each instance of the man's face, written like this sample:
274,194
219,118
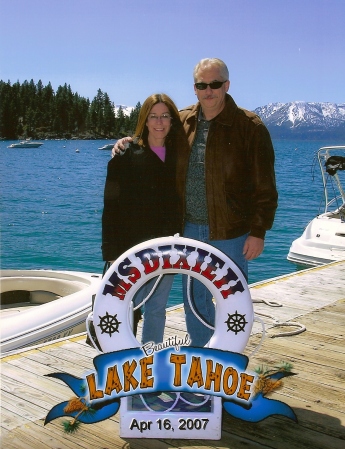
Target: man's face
212,100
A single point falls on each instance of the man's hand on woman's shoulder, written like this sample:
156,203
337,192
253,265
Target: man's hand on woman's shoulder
121,146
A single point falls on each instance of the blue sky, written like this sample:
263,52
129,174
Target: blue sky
276,50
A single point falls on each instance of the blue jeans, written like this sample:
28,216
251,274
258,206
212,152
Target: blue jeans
200,295
154,308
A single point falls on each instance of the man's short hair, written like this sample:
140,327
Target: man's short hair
211,62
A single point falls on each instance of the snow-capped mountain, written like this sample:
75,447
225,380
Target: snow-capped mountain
298,119
303,119
125,109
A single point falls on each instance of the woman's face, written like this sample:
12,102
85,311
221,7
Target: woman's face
158,122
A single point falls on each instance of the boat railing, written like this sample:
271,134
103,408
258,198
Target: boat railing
336,200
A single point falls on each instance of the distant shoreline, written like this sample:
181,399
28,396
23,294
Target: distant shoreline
3,139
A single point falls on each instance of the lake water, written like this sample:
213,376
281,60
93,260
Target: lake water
52,200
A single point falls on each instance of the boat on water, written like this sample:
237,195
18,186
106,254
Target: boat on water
26,144
323,240
108,146
38,306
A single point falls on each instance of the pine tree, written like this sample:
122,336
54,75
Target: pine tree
133,118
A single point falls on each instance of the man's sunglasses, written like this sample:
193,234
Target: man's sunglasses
213,85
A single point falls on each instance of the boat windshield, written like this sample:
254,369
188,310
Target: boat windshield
332,163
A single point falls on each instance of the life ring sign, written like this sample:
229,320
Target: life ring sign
176,392
171,255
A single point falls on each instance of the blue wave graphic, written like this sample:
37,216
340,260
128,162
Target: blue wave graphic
255,409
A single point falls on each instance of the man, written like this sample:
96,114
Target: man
226,182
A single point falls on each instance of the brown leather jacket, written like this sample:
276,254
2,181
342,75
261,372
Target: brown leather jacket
240,180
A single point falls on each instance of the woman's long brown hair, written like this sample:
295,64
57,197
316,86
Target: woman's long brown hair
141,131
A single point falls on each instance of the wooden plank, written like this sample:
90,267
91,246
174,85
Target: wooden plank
25,409
55,387
9,419
61,358
282,434
303,352
34,367
38,436
35,391
306,369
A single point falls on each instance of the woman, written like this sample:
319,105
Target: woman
140,199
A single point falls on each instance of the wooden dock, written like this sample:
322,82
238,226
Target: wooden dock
313,298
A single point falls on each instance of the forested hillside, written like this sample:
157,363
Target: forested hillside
30,110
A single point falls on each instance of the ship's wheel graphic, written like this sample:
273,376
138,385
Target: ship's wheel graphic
109,324
236,322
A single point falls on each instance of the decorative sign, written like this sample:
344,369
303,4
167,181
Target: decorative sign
171,390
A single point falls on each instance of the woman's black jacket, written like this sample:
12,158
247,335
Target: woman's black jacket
140,200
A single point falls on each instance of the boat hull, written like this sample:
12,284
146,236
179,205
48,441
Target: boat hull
323,241
108,146
44,305
26,145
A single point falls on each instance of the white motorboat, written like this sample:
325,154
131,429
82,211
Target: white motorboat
26,144
108,146
38,306
323,240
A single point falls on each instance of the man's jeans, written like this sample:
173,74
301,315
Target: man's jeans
199,294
